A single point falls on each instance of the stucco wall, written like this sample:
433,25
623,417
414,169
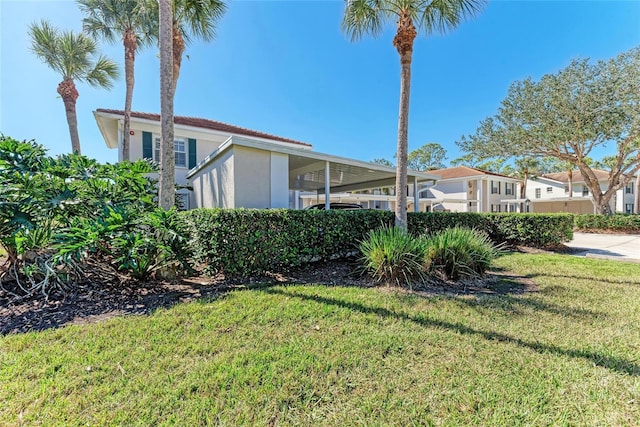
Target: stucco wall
252,173
213,186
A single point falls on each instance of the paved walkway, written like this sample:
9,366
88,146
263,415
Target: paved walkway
620,247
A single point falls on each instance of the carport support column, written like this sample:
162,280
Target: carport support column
416,196
327,185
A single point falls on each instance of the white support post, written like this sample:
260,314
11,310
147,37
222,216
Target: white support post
479,195
327,185
416,195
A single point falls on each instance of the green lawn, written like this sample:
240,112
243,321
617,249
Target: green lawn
567,354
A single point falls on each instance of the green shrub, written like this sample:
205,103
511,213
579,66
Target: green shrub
536,230
244,242
526,229
65,218
393,256
458,253
622,223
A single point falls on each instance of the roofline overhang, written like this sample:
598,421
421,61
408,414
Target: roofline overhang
270,146
99,115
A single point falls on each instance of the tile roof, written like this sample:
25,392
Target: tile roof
206,124
463,172
577,176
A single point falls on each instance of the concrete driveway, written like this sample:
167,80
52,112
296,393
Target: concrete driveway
620,247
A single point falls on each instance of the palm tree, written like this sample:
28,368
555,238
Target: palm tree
369,16
134,22
71,54
166,188
193,19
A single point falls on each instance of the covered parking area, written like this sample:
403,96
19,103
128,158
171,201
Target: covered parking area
249,173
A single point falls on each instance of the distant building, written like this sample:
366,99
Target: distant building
467,189
551,193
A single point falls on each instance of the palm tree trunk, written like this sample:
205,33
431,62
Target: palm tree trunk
69,94
403,42
636,196
178,50
166,190
130,44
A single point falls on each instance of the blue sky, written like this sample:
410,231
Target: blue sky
286,68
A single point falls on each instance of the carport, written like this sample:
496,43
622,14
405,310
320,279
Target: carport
245,172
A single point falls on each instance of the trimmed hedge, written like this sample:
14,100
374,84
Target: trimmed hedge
248,241
623,223
243,242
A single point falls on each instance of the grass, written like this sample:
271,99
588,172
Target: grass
567,354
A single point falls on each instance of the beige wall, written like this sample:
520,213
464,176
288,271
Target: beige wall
252,170
572,206
213,186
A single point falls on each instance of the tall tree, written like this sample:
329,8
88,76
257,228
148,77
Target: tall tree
433,16
382,161
72,56
166,186
133,22
428,157
568,114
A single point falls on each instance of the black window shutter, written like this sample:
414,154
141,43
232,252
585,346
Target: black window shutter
147,145
192,153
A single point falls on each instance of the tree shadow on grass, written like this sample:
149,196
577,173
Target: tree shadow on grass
613,363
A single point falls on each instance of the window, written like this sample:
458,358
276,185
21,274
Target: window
495,187
566,189
538,193
179,148
549,190
629,188
628,208
513,207
509,189
495,208
585,190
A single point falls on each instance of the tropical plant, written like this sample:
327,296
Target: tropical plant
392,256
132,21
72,56
368,17
64,220
459,253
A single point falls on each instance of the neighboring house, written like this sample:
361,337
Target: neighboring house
551,193
229,167
467,189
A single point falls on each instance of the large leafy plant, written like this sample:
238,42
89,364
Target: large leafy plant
62,218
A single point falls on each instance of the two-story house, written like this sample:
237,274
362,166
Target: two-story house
226,166
467,189
554,193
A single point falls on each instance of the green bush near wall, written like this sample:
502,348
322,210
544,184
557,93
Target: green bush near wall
623,223
243,242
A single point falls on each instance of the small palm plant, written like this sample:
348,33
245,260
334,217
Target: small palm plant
392,256
459,253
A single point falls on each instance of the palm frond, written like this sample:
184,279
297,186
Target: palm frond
364,17
103,73
44,44
198,19
443,15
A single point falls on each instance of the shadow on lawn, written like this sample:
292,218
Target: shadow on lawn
613,363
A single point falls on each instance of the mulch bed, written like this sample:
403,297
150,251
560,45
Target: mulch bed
94,302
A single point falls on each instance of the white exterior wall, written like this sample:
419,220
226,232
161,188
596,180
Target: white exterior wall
252,174
213,186
451,190
279,179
